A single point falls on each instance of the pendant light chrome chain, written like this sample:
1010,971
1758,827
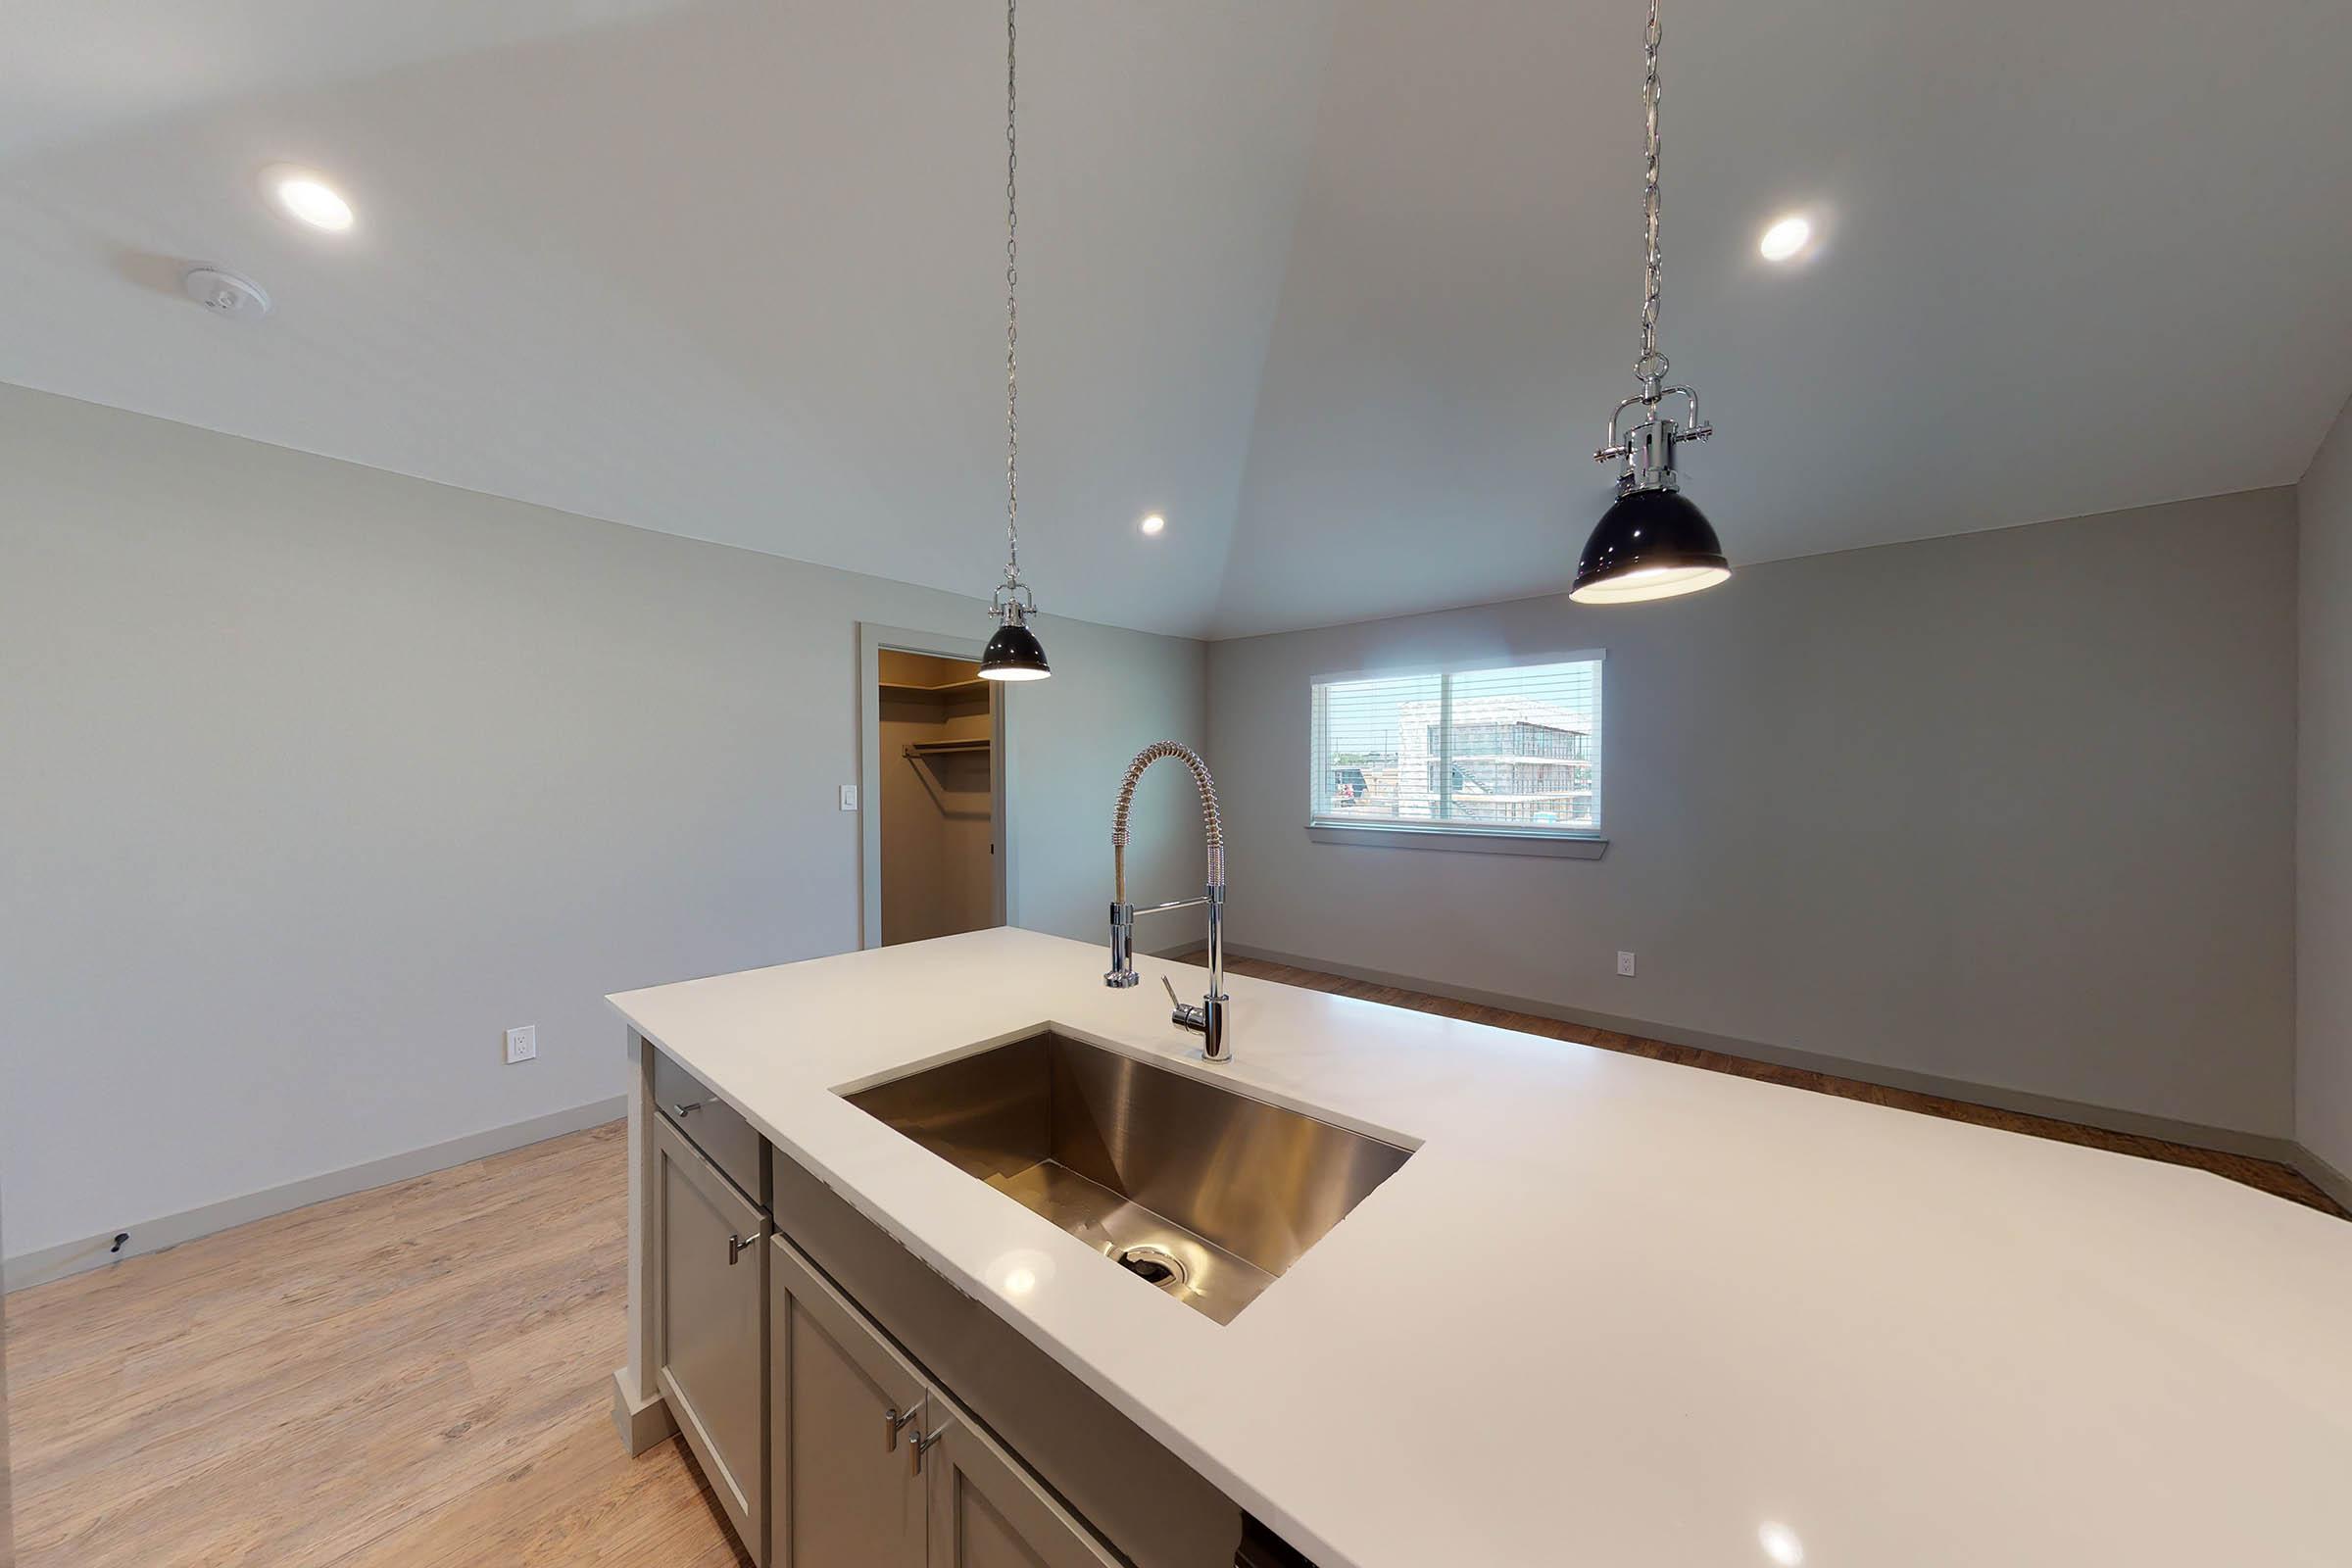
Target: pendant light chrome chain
1013,653
1647,448
1012,313
1651,366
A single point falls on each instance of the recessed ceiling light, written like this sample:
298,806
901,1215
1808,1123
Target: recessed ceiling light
303,195
1152,523
1781,1544
1784,238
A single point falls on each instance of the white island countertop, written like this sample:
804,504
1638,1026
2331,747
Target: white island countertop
1613,1311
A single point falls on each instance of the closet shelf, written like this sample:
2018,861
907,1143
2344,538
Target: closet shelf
938,748
956,688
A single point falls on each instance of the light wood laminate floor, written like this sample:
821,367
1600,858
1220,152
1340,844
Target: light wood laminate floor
418,1374
421,1375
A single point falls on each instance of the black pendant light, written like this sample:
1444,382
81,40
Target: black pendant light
1653,543
1013,653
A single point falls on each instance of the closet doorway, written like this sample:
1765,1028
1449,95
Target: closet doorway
934,792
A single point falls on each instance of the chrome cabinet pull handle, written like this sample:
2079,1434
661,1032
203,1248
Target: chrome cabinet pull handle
737,1246
892,1419
685,1110
924,1439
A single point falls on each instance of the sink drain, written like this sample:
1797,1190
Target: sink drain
1153,1265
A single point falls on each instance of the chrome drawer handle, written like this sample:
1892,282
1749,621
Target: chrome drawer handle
737,1246
685,1110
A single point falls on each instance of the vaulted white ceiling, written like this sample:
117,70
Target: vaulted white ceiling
1342,287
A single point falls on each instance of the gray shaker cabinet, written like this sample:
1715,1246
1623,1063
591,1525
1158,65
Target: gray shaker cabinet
987,1511
709,1324
871,1465
846,1414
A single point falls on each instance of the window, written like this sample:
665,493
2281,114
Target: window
1513,751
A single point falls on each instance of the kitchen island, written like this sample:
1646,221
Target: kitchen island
1609,1310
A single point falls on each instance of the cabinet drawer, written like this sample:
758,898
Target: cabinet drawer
712,1126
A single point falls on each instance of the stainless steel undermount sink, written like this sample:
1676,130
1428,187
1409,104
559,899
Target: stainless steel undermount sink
1205,1193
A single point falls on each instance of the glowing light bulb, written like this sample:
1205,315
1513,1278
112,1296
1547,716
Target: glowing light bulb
305,196
1784,238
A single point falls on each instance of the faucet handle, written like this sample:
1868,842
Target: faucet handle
1185,1015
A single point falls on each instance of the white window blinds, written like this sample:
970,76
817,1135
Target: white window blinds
1510,750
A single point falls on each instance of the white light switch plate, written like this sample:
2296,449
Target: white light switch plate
522,1045
849,797
1625,963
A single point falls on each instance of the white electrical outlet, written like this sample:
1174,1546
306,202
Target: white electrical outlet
1625,963
522,1045
849,797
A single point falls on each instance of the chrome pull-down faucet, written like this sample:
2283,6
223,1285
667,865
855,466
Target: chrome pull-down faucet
1208,1019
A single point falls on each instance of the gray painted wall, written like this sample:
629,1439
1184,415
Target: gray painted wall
2323,824
316,777
2014,808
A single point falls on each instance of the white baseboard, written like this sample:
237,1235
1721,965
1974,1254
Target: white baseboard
48,1264
2231,1140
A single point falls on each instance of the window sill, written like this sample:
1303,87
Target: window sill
1477,841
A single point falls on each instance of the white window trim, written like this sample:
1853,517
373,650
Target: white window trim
1589,844
1480,840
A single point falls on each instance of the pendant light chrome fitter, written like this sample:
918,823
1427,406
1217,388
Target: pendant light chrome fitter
1652,543
1013,653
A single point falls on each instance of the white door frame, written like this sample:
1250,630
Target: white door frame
872,638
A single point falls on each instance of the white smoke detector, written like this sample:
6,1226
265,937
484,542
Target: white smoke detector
226,293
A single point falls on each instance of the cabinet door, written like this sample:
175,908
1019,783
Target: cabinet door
845,1411
986,1510
709,1325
